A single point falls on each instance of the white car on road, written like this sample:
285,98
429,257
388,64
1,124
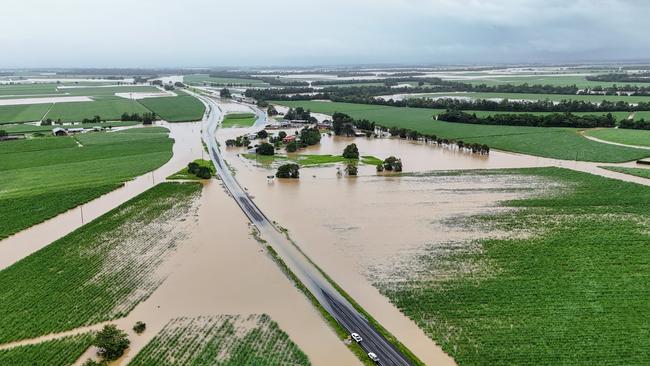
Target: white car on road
373,356
356,337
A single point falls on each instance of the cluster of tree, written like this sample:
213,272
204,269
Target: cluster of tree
643,77
406,133
290,170
309,136
526,119
178,84
343,125
200,171
239,141
3,134
146,118
95,119
351,168
299,114
224,93
641,124
271,111
168,87
111,342
157,82
265,149
351,152
391,163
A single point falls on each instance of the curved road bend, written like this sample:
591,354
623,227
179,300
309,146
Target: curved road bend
333,302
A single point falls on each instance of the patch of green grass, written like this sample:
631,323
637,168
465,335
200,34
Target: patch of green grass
96,273
183,174
50,175
181,108
57,352
238,120
224,340
27,89
22,113
622,136
571,291
639,172
306,160
107,109
559,143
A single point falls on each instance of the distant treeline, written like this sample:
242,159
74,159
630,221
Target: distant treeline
622,77
503,105
271,80
532,120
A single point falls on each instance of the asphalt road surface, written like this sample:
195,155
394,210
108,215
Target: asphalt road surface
333,302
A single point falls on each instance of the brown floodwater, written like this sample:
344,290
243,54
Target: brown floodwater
363,230
187,147
222,269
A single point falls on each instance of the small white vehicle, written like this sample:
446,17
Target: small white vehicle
356,337
373,356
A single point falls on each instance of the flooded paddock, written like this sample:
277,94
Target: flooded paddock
222,269
187,147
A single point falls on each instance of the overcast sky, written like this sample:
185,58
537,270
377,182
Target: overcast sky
201,33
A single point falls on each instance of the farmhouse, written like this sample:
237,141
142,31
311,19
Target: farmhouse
58,131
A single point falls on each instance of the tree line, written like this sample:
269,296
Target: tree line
643,77
532,120
641,124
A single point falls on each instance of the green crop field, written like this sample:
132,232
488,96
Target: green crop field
560,143
57,352
181,108
224,340
553,97
27,89
566,284
622,136
106,109
23,113
29,128
50,175
205,78
99,271
639,172
234,120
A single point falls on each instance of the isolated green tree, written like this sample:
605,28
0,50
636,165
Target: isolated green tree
292,146
265,149
139,327
282,134
3,133
351,152
290,170
224,93
262,134
112,342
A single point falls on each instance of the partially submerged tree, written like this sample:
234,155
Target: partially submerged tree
290,170
112,342
351,169
351,152
265,149
393,164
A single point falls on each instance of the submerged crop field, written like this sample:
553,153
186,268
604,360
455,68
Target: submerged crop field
566,282
99,271
181,108
47,176
559,143
219,341
59,352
